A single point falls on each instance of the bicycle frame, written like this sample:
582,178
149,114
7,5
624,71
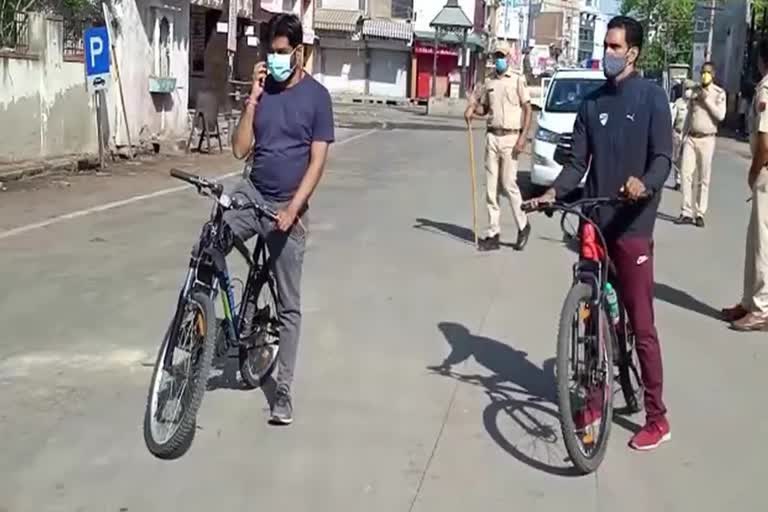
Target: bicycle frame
202,272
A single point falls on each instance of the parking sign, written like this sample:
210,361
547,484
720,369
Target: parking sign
97,58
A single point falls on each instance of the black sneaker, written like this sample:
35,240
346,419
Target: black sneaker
282,411
683,219
700,222
489,243
522,237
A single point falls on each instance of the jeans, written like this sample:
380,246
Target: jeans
287,253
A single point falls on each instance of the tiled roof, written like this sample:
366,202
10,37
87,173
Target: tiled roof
473,38
452,15
337,20
390,29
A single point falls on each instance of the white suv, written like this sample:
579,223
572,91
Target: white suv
564,94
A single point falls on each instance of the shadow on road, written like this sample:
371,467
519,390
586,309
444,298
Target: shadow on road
684,300
666,217
224,375
460,233
529,429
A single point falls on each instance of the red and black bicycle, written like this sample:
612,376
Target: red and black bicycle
595,343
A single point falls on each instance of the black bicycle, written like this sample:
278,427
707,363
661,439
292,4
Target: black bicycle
186,354
594,340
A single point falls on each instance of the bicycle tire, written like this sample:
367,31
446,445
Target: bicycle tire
568,234
577,295
255,376
181,439
628,371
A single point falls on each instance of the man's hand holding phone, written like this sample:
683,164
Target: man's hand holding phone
259,76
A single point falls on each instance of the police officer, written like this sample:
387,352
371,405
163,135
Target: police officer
751,314
679,118
707,109
505,98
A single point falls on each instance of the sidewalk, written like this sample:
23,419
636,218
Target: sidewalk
60,190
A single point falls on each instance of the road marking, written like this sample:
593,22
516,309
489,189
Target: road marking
25,365
123,202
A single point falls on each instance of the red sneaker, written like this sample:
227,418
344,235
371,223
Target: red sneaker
651,435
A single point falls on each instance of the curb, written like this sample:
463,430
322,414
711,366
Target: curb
14,172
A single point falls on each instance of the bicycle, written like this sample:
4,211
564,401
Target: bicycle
606,345
195,333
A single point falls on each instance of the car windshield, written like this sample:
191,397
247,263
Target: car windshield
567,93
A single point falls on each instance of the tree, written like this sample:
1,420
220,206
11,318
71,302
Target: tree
668,26
76,13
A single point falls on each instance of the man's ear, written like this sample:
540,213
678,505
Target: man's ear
635,53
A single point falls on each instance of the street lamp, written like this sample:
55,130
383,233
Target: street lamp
451,19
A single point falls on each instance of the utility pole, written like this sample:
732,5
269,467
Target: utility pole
492,24
711,28
529,32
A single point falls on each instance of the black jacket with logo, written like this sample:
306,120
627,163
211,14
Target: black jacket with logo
621,130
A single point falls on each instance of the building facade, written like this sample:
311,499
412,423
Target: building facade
364,46
449,50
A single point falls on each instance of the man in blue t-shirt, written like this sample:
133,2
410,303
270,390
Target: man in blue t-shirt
287,126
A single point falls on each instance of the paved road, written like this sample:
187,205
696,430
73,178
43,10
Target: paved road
391,287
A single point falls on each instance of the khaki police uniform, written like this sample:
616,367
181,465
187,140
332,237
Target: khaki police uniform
755,297
680,109
706,111
503,97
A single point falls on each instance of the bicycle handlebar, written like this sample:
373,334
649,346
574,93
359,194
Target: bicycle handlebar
217,191
198,181
590,202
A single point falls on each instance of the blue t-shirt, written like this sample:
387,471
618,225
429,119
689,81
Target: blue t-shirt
286,123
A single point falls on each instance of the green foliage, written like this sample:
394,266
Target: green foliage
668,28
76,13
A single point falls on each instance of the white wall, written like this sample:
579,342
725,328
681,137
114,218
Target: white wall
511,22
342,70
601,27
426,10
45,108
389,73
163,115
349,5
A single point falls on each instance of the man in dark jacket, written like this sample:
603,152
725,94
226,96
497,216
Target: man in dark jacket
625,129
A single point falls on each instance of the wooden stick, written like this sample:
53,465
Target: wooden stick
108,21
474,180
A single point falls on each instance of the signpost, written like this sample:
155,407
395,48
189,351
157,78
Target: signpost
98,77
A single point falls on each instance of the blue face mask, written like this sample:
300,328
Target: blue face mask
501,64
279,66
613,65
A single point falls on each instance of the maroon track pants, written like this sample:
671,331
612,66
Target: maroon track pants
633,259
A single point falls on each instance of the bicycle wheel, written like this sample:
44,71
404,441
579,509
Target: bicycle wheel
629,375
175,395
584,359
569,225
258,354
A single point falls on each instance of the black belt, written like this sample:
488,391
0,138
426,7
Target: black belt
701,135
502,131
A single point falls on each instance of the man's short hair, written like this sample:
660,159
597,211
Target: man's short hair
710,64
633,30
286,25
